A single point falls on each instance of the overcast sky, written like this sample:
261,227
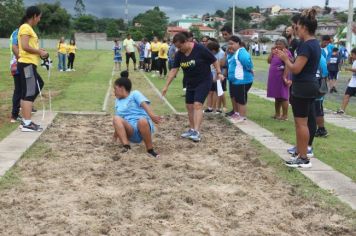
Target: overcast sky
175,8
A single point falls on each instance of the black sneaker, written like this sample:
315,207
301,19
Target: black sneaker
32,127
317,133
33,110
299,163
152,153
340,112
335,91
323,133
208,110
230,113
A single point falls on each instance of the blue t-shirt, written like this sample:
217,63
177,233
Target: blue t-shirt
327,51
171,52
333,63
196,66
117,50
14,41
322,73
247,65
130,108
142,50
311,50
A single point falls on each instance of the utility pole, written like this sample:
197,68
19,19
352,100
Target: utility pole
349,25
126,12
233,18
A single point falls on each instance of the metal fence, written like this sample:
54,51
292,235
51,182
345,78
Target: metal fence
81,44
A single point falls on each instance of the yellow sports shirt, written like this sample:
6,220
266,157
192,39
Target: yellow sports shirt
26,57
62,48
163,51
155,46
71,48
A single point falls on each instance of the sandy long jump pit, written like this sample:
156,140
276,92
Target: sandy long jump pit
81,184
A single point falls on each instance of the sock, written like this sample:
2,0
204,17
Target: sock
27,122
127,146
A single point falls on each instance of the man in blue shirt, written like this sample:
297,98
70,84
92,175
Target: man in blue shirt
133,121
16,98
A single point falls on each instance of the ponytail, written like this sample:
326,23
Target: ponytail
308,19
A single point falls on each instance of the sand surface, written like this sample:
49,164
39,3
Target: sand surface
81,184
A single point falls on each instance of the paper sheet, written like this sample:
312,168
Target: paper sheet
219,88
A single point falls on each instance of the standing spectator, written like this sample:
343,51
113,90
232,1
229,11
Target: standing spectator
240,74
129,46
155,45
279,80
16,97
117,55
147,55
171,55
291,36
163,56
322,74
71,54
205,40
264,48
257,49
253,49
351,87
195,61
62,54
344,54
305,87
326,47
141,47
334,63
29,56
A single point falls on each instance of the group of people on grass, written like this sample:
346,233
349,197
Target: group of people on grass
297,70
153,56
65,51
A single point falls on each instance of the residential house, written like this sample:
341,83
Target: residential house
273,10
173,30
272,35
249,34
206,30
187,22
327,28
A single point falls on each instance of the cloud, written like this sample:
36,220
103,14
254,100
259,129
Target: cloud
174,9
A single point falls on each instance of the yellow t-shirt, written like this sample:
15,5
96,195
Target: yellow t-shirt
163,51
129,44
26,57
71,48
155,46
62,48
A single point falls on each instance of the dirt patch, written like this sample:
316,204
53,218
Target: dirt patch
83,185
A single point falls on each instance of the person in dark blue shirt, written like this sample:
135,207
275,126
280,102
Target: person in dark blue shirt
333,68
195,60
305,86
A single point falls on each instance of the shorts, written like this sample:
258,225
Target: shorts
147,60
170,64
230,90
142,58
333,75
136,136
199,93
214,87
351,91
319,108
31,81
302,106
117,59
223,84
132,56
240,92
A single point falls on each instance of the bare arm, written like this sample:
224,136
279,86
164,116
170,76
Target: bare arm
295,67
15,51
216,64
171,75
156,119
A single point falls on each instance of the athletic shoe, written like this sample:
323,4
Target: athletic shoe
299,163
195,136
68,70
292,150
234,117
152,153
321,133
335,91
230,113
310,153
73,69
32,127
218,111
340,112
208,110
15,119
60,70
239,120
33,110
187,134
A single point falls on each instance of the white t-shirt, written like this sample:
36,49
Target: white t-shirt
129,45
352,82
264,48
147,52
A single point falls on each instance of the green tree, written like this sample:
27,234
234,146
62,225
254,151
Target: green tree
136,33
341,16
55,19
272,22
196,32
220,13
86,24
11,13
152,23
79,8
112,30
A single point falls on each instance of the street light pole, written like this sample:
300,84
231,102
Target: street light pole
233,18
126,12
349,25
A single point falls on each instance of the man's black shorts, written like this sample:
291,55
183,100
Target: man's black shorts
132,56
199,93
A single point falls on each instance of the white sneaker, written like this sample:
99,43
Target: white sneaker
73,69
60,70
68,70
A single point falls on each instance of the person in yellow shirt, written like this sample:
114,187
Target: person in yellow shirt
71,49
162,58
29,57
155,45
62,54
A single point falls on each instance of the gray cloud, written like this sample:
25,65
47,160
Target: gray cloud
175,8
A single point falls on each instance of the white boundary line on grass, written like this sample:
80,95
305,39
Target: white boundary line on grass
107,96
159,93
